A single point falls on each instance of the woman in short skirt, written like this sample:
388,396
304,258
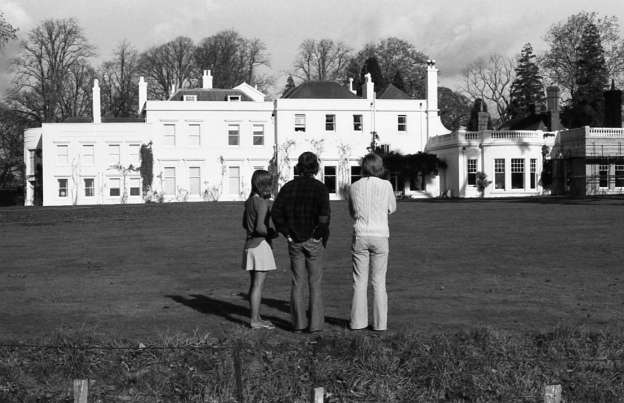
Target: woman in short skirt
258,256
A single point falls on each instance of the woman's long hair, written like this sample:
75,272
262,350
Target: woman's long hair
261,184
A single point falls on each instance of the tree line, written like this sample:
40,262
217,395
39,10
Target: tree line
53,74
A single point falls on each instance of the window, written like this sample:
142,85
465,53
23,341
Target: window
603,175
194,181
233,97
533,168
517,173
402,123
619,176
191,98
114,187
384,148
169,135
472,172
258,168
357,123
135,186
113,154
330,123
169,180
300,123
32,162
62,154
233,135
356,173
234,180
89,187
258,135
87,154
499,173
329,177
133,155
194,138
62,187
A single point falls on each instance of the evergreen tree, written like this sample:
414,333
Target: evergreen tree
371,65
587,106
290,84
527,90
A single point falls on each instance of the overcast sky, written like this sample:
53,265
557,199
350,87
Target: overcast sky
454,32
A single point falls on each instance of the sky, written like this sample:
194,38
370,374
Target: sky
453,32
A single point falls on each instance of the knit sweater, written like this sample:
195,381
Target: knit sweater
371,199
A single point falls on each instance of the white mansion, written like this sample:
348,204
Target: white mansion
206,143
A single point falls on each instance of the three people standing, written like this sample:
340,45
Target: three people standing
301,213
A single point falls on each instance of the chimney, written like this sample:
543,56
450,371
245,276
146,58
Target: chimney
432,86
172,90
613,107
207,80
552,104
351,90
368,88
142,94
97,113
483,118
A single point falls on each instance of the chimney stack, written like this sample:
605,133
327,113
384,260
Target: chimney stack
552,104
368,87
613,107
432,86
207,80
142,94
97,113
483,118
351,90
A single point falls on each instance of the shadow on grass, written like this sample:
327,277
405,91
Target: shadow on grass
227,310
284,306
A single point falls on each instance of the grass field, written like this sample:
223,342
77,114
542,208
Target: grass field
156,272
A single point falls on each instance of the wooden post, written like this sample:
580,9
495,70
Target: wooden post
552,394
238,372
317,395
81,390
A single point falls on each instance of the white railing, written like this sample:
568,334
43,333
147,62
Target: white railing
489,135
606,131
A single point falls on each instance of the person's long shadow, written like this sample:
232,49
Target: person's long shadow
284,306
232,312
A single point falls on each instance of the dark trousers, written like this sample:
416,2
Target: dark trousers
306,264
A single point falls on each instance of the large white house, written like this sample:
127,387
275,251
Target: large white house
206,142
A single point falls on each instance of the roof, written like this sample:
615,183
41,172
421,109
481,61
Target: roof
320,89
392,92
105,119
209,94
535,121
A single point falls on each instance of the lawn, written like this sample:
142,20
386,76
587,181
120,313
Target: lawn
137,270
489,300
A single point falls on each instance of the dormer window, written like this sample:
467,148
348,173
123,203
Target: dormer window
233,98
191,98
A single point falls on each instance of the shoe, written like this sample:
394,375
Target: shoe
263,324
298,331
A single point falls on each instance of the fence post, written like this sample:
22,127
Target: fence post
552,394
317,395
81,390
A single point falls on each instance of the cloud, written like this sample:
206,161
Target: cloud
16,15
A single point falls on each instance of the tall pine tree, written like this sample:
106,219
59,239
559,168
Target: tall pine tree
587,106
371,65
290,84
527,90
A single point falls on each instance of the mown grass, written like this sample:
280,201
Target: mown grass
481,365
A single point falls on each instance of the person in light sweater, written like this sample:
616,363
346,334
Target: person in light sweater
371,200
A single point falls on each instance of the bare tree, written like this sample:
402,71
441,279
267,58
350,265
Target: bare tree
564,39
51,57
169,64
490,79
232,59
7,31
119,82
322,60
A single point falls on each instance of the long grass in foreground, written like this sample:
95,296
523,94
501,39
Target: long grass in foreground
482,365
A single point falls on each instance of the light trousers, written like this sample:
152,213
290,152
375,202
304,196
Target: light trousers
369,254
